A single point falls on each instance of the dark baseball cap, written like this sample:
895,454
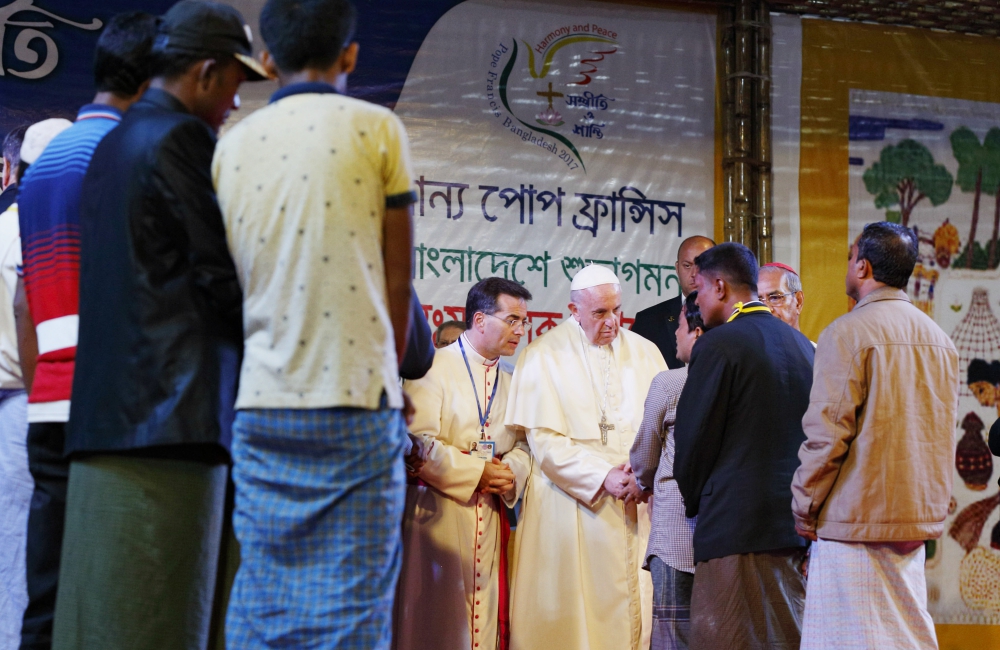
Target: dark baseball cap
210,28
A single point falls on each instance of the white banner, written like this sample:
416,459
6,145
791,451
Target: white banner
549,135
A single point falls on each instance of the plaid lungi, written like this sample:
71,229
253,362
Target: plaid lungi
865,596
751,601
319,506
671,606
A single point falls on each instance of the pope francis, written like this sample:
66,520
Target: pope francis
578,394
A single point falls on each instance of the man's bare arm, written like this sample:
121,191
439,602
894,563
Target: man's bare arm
397,255
27,341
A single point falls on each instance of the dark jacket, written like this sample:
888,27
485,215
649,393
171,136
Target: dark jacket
160,335
738,432
659,325
419,355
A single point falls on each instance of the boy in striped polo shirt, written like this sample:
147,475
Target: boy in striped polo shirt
50,239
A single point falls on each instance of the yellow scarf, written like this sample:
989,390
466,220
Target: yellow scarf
740,309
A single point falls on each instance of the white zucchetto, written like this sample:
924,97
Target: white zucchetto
592,276
39,135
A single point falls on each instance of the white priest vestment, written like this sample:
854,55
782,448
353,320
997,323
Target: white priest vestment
577,579
449,587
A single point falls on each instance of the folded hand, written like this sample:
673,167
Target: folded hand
496,478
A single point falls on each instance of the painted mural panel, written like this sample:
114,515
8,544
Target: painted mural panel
933,164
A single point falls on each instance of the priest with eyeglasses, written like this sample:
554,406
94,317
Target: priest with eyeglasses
578,394
453,586
780,288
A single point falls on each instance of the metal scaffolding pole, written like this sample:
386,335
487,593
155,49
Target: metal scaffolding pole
745,69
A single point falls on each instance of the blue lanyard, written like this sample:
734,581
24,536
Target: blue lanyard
489,402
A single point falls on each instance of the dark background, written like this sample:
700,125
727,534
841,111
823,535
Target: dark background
71,84
390,33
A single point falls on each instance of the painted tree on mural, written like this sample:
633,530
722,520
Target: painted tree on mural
992,145
904,175
978,172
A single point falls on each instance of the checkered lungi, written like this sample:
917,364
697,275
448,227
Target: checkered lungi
865,596
671,606
319,506
16,487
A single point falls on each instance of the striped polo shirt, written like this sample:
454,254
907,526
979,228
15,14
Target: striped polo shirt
49,203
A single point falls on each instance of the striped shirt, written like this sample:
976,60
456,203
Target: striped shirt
652,457
50,239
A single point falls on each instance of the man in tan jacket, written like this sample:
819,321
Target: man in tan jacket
876,467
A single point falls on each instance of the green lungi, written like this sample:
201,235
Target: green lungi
141,553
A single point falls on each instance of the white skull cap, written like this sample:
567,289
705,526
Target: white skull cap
39,135
593,275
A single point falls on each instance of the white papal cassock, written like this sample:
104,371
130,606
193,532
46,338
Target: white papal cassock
577,578
449,588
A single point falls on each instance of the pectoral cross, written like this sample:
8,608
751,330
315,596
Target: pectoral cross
605,427
550,95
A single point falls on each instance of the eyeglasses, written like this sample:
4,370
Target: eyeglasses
775,299
513,323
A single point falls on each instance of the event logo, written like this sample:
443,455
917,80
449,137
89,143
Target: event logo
566,109
22,50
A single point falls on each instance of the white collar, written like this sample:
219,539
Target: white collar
473,354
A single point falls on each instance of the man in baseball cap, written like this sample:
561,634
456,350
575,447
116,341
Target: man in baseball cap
157,358
201,55
195,28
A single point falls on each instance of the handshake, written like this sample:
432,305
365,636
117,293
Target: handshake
620,483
